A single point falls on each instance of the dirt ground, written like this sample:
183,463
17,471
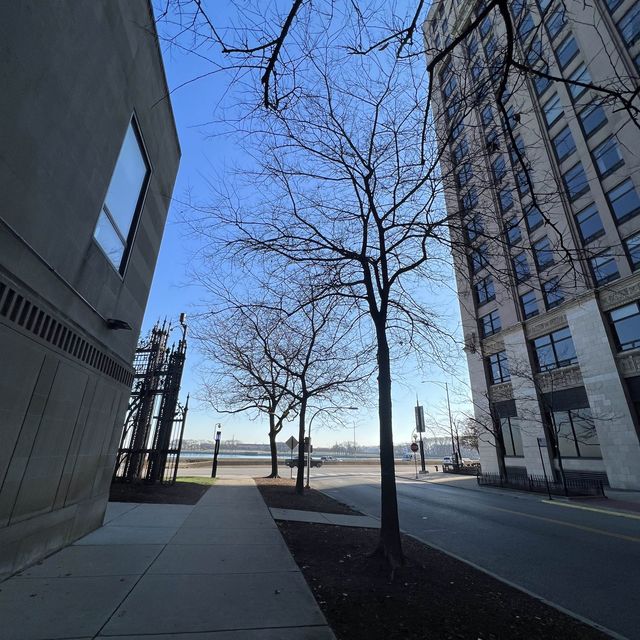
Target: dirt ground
432,597
186,490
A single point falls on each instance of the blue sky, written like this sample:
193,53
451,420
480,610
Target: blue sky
206,153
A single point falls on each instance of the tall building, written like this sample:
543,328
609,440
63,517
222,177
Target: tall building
88,159
542,185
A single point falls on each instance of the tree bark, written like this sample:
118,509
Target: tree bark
301,431
389,546
272,446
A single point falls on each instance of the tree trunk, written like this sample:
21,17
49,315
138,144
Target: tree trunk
301,431
273,448
389,546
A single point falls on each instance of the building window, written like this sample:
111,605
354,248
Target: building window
460,151
522,182
511,437
499,168
474,228
476,69
626,326
556,21
581,74
526,26
456,130
449,82
470,199
552,109
529,304
492,141
521,267
472,47
575,181
487,115
576,434
632,245
589,223
555,350
541,83
465,173
479,258
604,268
490,324
485,26
499,368
542,253
485,291
629,25
564,144
506,199
612,5
592,118
454,107
624,201
544,5
119,215
552,293
607,157
534,54
513,231
533,217
567,51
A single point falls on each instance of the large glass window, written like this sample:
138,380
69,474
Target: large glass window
564,144
589,223
629,25
567,51
541,83
513,231
626,326
490,324
511,437
525,26
533,217
521,267
474,228
576,434
485,26
464,174
470,199
552,293
575,181
499,368
607,157
118,219
604,268
556,21
543,253
529,304
460,151
592,118
506,199
487,114
555,350
632,245
552,109
499,168
581,74
624,201
485,291
479,258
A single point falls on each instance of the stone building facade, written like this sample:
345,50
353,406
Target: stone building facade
541,173
88,159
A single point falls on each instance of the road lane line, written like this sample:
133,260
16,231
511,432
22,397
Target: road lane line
568,524
621,514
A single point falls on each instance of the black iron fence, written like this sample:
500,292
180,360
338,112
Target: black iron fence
538,484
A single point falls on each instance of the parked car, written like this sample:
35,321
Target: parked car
407,456
329,459
293,462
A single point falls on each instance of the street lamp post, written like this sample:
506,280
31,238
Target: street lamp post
218,436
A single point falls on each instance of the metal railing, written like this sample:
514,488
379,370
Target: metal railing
538,484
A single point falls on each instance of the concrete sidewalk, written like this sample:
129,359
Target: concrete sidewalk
218,570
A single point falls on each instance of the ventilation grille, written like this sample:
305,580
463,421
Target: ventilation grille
22,312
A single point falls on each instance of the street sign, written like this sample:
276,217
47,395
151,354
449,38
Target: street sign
419,419
414,446
292,443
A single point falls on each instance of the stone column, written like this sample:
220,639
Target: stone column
612,416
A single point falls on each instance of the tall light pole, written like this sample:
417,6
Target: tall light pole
453,443
218,436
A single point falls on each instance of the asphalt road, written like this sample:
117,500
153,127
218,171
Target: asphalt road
584,560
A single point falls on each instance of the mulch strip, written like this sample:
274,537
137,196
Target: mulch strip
280,494
432,597
178,493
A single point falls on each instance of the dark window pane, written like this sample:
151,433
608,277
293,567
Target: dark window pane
624,201
607,157
589,223
626,324
506,199
575,181
552,292
543,254
556,21
552,109
592,117
581,74
564,144
529,304
567,51
513,231
521,267
533,218
629,25
633,250
604,268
